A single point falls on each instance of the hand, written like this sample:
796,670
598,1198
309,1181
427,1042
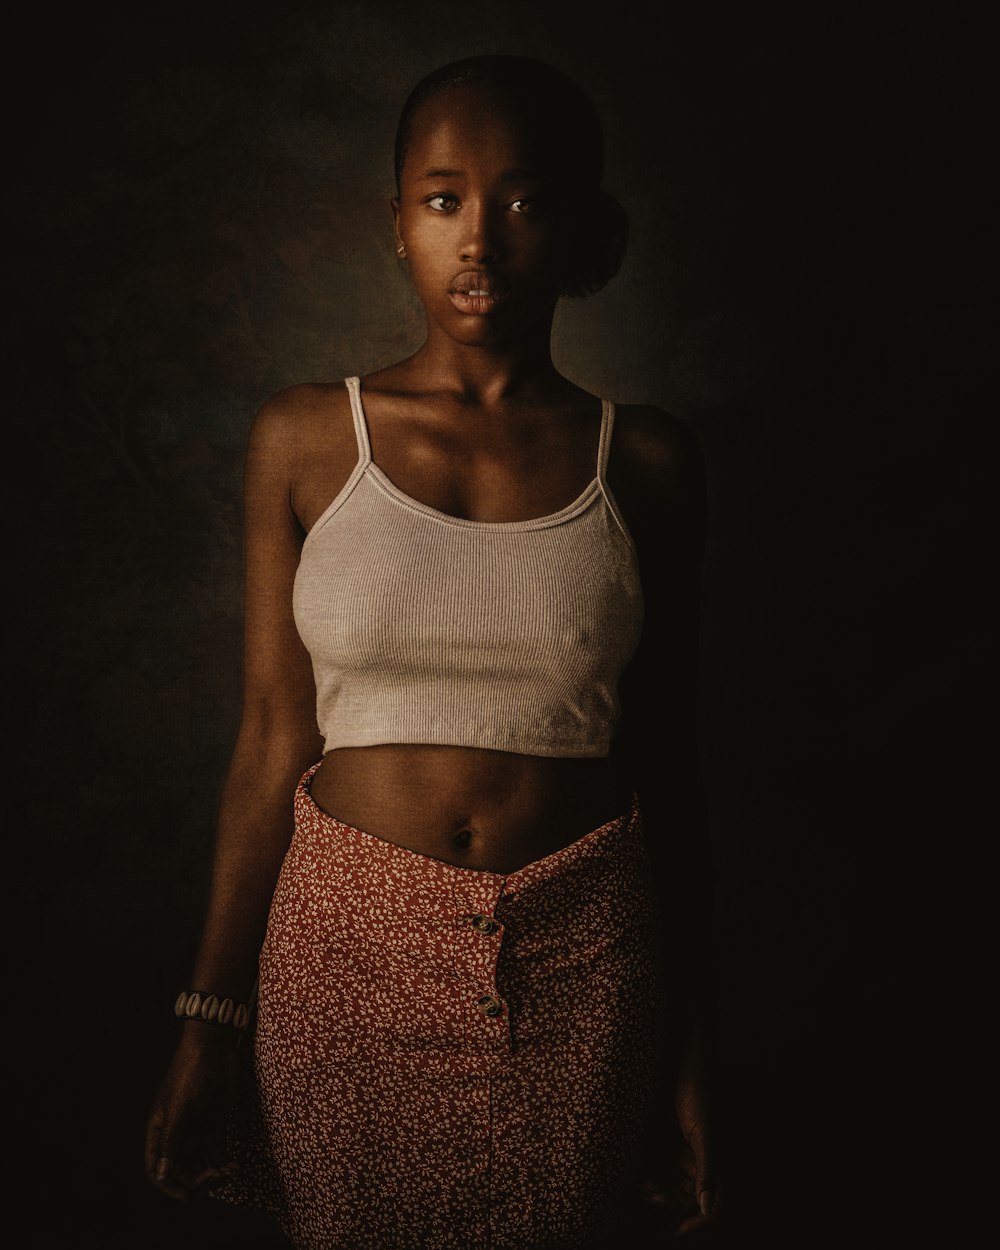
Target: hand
186,1151
681,1212
683,1182
697,1157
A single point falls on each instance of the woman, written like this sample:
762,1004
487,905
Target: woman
464,935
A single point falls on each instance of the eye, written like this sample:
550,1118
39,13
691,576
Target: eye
441,203
524,206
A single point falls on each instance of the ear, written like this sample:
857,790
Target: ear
394,205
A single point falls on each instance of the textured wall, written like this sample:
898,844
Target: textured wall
202,218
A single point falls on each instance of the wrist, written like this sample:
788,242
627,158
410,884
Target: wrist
204,1007
209,1023
196,1040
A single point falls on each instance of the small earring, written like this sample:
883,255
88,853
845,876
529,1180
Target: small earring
401,249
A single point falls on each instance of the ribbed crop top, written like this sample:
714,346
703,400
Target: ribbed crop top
428,628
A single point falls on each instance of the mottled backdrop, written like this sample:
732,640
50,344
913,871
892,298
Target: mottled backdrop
200,217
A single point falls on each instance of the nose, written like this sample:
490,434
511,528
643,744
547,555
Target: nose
480,241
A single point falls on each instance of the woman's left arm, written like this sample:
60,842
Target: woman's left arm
657,475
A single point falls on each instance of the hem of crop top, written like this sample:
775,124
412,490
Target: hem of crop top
366,467
545,750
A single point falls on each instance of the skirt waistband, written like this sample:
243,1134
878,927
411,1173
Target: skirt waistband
597,843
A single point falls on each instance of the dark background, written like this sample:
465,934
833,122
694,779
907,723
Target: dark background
198,216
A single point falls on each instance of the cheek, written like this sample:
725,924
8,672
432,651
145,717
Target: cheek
429,269
549,239
547,255
440,243
426,248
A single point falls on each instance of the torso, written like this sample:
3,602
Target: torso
485,810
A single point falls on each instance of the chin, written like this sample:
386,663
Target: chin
487,335
479,331
495,330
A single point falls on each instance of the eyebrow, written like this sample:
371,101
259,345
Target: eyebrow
508,175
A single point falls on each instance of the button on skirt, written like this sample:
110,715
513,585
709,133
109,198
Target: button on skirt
447,1059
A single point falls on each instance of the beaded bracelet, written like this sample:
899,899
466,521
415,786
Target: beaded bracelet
200,1005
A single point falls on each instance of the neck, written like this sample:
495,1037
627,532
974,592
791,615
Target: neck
485,374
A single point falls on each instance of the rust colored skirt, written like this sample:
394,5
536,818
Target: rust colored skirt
447,1059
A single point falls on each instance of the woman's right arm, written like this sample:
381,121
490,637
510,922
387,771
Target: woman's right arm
277,740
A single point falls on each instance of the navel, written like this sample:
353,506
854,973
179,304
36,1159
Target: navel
463,839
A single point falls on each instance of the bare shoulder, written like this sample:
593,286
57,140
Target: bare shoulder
655,457
293,420
303,448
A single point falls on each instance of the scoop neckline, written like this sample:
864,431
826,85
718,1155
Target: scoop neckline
579,504
586,497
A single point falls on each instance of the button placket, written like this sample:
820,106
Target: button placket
488,1001
479,936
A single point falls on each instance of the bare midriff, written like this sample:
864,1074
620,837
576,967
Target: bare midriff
486,810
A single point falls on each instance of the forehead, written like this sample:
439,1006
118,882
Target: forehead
474,124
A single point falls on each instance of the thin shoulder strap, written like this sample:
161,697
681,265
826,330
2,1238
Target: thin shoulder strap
604,446
603,452
360,424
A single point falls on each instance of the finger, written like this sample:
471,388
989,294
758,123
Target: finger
213,1177
692,1224
711,1208
158,1163
676,1198
703,1218
162,1168
152,1146
705,1181
170,1179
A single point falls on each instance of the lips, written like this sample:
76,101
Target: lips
477,291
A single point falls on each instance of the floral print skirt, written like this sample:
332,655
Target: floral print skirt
449,1059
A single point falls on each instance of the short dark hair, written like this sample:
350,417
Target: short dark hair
559,104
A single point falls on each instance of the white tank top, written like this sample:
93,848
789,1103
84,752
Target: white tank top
428,628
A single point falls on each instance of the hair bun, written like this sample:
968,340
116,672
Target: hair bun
599,246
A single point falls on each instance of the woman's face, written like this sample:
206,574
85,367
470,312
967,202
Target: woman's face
481,217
